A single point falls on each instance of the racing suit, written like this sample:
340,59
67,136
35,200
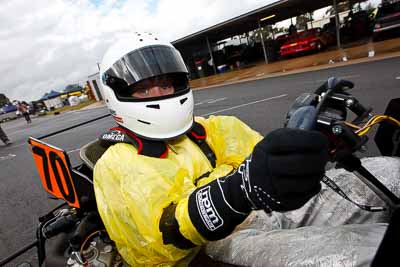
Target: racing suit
132,190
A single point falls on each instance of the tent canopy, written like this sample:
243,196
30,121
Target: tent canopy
50,95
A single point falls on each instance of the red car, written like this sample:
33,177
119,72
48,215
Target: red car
306,41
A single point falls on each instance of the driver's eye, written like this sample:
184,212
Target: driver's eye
165,85
142,91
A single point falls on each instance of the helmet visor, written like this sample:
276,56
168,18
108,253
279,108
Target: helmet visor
143,63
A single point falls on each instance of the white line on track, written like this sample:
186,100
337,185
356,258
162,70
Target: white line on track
204,101
14,146
216,100
9,156
243,105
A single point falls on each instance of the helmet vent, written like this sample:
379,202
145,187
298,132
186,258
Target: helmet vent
183,100
144,122
153,106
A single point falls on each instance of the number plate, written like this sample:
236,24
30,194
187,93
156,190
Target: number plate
54,171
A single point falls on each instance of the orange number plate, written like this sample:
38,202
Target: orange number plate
54,170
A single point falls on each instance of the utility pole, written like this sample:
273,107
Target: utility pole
211,55
337,23
262,42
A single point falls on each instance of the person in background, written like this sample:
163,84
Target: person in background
292,29
4,137
24,109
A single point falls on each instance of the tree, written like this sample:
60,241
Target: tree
347,5
73,87
342,6
301,21
369,8
3,100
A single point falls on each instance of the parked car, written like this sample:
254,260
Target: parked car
387,23
280,40
8,108
356,26
8,112
306,41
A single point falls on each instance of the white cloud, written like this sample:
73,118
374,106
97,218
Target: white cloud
47,44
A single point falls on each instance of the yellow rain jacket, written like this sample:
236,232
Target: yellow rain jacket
132,190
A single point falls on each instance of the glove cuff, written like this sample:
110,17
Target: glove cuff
216,208
169,228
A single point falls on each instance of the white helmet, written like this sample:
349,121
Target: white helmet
136,58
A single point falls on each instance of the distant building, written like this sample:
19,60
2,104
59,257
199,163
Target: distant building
52,100
93,84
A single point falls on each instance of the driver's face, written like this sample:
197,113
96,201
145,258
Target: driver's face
152,88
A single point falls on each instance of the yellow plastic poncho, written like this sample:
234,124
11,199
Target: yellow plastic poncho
132,190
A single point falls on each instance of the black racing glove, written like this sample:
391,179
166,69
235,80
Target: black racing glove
282,174
285,169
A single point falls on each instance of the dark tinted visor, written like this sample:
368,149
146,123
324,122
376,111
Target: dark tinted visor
142,64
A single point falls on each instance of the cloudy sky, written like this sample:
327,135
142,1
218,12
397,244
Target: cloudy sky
47,44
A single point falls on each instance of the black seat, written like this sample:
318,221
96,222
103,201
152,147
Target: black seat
91,152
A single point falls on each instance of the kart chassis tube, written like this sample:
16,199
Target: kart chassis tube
375,185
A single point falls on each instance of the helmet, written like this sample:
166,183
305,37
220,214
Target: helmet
132,60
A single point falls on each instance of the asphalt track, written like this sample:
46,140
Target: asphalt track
262,104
